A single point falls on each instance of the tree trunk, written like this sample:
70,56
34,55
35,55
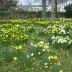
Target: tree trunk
43,8
56,15
53,10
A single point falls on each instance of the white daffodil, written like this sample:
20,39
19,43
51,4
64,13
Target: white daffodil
32,54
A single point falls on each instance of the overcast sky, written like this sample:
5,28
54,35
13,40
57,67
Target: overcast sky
35,2
39,2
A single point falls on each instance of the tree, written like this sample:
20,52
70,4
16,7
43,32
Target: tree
54,9
5,5
43,8
68,12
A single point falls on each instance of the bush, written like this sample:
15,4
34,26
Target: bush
68,9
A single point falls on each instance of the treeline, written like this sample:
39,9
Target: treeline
25,14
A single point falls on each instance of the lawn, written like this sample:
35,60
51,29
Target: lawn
36,45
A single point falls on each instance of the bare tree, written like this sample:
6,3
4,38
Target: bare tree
53,9
43,8
56,15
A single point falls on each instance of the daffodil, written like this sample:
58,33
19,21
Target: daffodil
45,63
15,58
61,71
48,50
32,54
49,58
55,57
6,36
50,67
28,56
52,57
20,46
16,47
59,63
12,35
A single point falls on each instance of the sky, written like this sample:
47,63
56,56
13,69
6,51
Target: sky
35,2
38,2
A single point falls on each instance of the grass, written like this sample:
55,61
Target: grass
65,59
36,45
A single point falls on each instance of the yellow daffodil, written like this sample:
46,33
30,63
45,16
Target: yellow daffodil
6,36
15,58
20,46
52,57
55,57
50,67
59,63
13,35
61,71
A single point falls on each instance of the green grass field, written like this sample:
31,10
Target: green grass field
36,45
